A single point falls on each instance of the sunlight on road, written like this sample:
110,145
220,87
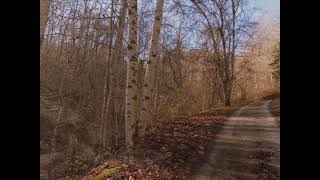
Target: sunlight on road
249,131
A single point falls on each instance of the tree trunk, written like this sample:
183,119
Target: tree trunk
118,55
227,94
106,98
148,85
132,81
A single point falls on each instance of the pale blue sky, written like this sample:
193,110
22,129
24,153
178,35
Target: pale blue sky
272,4
269,8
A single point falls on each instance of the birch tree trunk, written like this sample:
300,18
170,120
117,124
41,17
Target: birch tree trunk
119,39
149,80
132,81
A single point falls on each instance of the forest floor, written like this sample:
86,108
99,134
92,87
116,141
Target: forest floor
227,143
173,149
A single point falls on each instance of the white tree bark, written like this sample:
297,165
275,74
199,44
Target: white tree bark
149,80
132,79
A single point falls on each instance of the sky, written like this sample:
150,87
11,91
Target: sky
270,9
271,4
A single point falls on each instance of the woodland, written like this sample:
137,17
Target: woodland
137,89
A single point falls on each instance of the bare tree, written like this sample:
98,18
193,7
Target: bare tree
149,80
107,97
132,80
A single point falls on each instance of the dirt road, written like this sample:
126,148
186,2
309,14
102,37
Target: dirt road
247,148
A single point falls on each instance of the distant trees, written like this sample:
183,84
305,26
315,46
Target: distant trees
44,13
224,24
261,50
275,65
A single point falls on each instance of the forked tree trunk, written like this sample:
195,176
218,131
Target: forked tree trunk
149,80
132,81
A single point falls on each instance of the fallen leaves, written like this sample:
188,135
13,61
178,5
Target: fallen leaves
264,170
105,172
201,152
201,147
172,149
